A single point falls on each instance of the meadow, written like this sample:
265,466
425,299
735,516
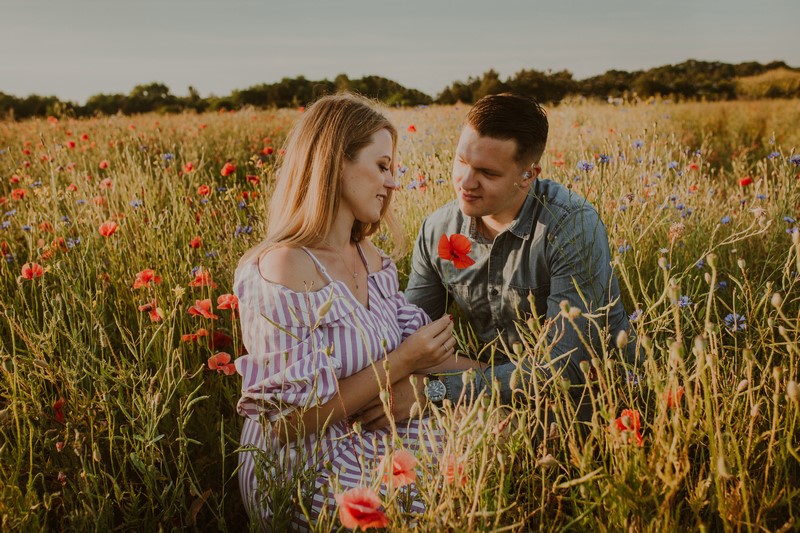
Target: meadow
120,235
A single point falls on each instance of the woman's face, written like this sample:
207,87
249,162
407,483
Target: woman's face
368,179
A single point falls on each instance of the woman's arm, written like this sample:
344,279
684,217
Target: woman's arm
360,389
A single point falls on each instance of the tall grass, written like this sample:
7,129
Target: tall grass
110,420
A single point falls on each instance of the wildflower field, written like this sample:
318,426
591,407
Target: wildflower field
119,238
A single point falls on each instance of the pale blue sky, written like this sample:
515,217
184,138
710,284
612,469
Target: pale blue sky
75,48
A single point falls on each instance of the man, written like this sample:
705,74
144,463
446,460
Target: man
530,238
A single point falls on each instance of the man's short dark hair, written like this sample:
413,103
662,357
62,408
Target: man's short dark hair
512,116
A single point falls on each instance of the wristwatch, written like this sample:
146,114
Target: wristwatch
435,390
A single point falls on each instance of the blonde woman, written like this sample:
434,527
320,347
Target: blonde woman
321,311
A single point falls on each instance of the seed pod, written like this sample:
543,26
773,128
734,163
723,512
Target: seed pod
742,386
777,300
622,339
793,392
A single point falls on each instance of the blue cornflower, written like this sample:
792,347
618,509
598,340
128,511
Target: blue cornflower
204,201
636,315
402,169
735,322
10,213
761,196
657,175
700,263
638,159
440,181
9,258
623,207
576,178
789,220
721,285
791,231
5,224
136,203
638,143
80,202
71,243
212,253
795,159
35,184
26,228
584,165
624,248
605,158
633,378
243,230
222,189
672,164
411,186
684,301
773,155
242,204
66,220
167,156
725,220
680,206
195,270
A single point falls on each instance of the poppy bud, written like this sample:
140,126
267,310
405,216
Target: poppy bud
622,339
742,386
777,300
793,392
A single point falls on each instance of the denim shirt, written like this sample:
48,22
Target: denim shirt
556,249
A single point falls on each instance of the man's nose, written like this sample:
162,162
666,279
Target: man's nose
468,180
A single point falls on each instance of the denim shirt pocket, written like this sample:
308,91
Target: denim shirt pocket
518,304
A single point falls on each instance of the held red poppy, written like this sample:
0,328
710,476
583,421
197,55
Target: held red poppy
456,249
745,181
361,508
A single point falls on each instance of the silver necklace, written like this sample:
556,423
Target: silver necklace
344,262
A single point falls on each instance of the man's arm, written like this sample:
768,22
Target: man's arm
425,286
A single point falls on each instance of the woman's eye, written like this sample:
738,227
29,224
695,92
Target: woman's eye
384,169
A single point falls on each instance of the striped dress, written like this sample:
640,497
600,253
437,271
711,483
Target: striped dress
297,352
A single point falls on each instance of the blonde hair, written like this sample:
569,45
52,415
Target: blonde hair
334,129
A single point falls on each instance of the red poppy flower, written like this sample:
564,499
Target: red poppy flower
190,337
204,190
105,183
253,180
630,425
70,144
18,194
58,410
672,398
453,471
399,468
14,179
108,228
227,301
693,166
145,277
745,181
456,249
103,164
412,129
59,244
72,187
202,278
202,308
152,308
360,507
32,270
197,242
99,200
84,137
228,169
221,362
267,150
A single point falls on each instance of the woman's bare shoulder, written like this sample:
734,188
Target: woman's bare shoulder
375,256
291,267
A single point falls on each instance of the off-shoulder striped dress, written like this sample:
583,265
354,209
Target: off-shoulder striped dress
296,353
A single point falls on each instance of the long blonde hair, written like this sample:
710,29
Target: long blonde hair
309,182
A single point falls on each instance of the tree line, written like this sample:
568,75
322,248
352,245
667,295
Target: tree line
690,80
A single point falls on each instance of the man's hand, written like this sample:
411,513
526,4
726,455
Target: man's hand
403,398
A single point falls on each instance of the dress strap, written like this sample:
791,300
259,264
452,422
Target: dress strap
317,262
363,257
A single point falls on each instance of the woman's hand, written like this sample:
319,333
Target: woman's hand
430,345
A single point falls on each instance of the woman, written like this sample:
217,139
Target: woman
321,310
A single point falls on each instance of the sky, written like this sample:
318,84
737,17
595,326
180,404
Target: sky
73,49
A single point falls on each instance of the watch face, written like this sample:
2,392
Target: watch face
435,390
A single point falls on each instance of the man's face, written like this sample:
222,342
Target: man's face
488,180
